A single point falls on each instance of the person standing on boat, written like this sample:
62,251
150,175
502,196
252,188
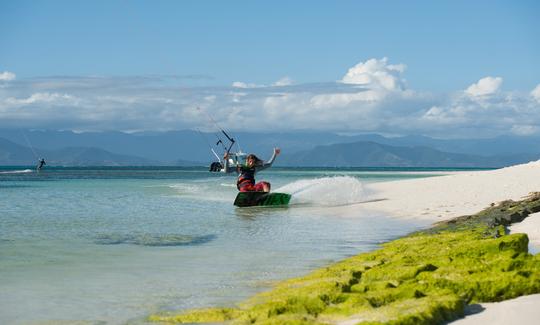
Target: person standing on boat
246,173
41,163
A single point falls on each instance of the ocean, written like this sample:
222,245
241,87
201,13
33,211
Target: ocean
113,245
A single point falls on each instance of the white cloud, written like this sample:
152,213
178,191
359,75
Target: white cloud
7,76
445,116
243,85
377,79
41,98
484,87
376,74
285,81
481,116
342,100
525,130
434,113
371,97
535,93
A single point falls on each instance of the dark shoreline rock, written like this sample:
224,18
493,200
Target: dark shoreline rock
503,214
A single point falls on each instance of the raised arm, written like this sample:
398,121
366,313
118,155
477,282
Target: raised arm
269,163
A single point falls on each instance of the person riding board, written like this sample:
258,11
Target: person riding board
246,173
41,162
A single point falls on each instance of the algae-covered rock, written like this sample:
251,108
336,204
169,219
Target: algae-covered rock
425,278
505,213
209,315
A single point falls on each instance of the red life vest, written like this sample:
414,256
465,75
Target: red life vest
247,176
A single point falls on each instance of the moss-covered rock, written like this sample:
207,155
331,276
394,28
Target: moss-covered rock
208,315
504,213
425,278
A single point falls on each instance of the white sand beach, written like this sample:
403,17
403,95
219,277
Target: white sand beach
441,198
445,197
522,310
530,226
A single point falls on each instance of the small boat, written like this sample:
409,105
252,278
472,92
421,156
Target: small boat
235,158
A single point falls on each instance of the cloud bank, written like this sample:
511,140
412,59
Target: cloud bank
372,96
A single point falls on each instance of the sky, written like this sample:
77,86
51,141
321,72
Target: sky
436,68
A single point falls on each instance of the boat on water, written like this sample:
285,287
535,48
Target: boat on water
234,158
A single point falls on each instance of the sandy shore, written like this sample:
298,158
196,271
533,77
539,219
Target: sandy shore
530,226
522,310
445,197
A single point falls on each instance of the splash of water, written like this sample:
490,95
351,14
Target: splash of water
207,190
24,171
326,191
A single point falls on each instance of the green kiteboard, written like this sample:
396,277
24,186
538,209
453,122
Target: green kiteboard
249,199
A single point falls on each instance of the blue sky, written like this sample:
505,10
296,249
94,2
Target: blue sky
247,61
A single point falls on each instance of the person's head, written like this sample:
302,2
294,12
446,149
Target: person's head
252,160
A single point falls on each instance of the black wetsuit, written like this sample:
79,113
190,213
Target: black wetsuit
41,163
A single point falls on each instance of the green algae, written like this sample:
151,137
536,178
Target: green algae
209,315
427,277
504,213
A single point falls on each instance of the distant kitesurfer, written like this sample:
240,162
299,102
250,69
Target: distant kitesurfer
41,163
246,173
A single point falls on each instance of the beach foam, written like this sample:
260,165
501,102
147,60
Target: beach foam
23,171
205,190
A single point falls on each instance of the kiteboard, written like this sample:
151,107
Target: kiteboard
248,199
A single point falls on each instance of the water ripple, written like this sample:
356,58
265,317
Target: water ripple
153,239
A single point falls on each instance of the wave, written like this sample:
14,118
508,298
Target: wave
206,191
23,171
326,191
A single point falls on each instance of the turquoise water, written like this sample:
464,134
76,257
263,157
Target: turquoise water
111,245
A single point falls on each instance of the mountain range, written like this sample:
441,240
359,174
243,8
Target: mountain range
372,154
313,149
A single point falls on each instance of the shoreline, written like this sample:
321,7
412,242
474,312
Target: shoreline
512,182
444,197
434,199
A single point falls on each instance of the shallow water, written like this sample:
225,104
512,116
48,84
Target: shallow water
115,244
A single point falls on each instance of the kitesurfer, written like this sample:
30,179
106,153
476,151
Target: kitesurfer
246,173
41,162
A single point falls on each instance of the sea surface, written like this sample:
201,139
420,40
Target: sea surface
112,245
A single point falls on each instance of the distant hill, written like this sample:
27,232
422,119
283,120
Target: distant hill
188,145
188,148
15,154
170,147
502,145
371,154
88,156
